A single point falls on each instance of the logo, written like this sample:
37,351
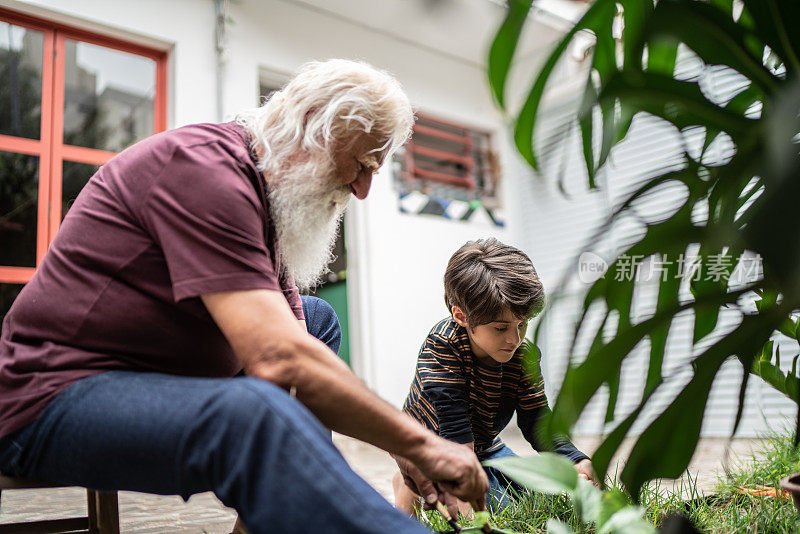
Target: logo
591,267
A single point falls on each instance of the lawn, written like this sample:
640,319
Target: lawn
726,509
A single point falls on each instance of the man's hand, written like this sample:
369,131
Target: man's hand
443,470
585,470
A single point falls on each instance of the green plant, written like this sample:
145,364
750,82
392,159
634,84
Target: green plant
787,383
728,509
723,509
609,512
750,200
527,512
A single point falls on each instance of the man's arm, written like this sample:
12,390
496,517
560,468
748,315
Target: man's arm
272,345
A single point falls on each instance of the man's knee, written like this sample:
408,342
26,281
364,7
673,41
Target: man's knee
248,422
322,322
249,402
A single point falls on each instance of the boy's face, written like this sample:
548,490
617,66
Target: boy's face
495,341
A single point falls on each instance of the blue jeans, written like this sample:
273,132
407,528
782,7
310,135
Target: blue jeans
501,488
258,449
321,322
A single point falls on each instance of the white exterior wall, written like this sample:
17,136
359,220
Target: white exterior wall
396,261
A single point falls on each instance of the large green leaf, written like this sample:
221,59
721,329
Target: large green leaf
681,103
603,362
554,526
774,24
582,382
597,14
546,473
605,452
505,42
587,501
712,35
679,424
627,521
751,201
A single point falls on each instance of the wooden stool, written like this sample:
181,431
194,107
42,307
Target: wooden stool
102,516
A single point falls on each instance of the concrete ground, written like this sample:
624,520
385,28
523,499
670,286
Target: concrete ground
145,514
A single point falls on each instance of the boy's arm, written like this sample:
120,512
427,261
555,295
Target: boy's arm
443,392
528,423
532,406
561,444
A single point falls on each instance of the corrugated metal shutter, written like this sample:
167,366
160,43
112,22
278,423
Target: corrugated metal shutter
556,229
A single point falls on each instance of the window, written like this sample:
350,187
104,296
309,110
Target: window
447,169
269,81
69,101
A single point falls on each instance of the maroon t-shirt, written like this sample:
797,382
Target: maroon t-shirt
178,215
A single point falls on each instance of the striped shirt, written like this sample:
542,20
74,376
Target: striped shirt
465,399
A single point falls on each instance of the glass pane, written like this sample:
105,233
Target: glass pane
21,52
19,195
8,292
108,98
74,178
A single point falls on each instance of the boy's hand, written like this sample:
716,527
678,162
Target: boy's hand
586,471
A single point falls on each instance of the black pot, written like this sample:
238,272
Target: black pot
791,484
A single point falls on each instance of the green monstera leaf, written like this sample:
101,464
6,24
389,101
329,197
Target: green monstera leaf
554,474
750,200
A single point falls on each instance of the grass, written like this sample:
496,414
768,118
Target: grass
528,512
725,510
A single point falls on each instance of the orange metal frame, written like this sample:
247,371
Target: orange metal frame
466,179
50,148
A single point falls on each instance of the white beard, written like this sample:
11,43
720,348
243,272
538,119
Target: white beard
306,211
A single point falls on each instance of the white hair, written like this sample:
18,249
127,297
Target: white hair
295,134
324,103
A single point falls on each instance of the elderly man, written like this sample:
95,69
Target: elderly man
161,343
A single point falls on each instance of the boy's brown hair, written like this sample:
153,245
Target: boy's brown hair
484,277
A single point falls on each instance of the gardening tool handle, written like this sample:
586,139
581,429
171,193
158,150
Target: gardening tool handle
443,510
487,528
446,514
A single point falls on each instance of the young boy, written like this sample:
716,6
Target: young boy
470,376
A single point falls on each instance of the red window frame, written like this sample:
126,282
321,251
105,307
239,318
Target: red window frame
462,179
465,165
49,148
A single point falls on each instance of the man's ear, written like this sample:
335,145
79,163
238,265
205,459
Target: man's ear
459,316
